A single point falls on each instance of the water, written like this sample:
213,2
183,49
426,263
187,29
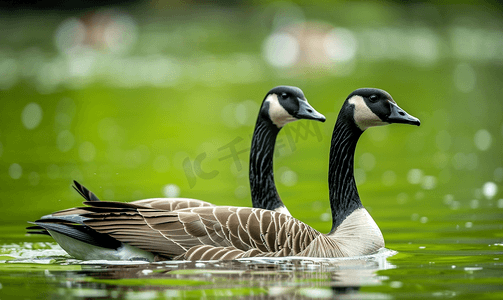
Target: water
128,117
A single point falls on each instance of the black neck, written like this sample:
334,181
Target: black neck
263,190
344,198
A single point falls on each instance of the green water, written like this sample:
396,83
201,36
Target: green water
128,121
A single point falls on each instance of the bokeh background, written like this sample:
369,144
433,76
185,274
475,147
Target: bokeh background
125,96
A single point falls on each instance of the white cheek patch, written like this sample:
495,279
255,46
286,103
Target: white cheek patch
364,117
279,116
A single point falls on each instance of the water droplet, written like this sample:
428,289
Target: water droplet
389,178
65,141
15,171
483,139
281,50
31,115
468,224
171,191
429,182
423,219
500,203
396,284
489,189
414,176
422,247
87,151
414,217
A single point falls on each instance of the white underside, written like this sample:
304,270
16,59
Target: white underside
84,251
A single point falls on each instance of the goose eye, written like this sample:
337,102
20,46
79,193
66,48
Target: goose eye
373,98
284,96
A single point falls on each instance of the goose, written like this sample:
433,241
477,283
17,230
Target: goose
228,232
281,105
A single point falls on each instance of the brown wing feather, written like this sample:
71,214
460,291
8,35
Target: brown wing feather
202,232
171,204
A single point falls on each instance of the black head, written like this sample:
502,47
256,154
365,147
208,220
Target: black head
375,107
285,104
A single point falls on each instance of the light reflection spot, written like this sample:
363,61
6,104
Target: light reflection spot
489,189
15,171
171,191
31,115
483,139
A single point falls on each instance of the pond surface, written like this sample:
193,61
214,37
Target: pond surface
451,258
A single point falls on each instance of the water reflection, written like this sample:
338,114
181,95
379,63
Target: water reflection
275,277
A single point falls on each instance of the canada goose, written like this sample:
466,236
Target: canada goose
226,232
281,105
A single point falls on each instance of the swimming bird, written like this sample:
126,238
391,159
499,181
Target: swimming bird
281,105
227,232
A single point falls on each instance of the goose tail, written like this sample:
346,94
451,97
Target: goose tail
84,192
